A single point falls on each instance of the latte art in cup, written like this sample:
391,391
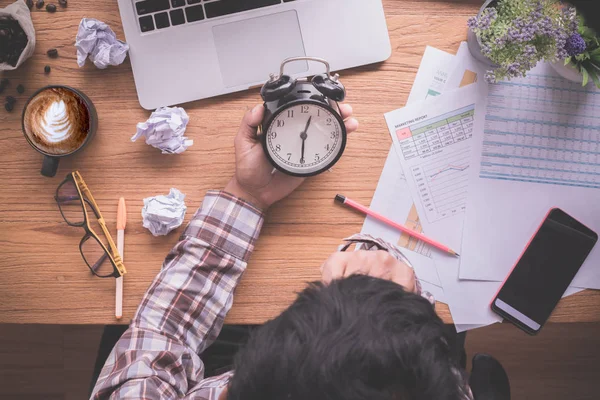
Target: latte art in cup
56,121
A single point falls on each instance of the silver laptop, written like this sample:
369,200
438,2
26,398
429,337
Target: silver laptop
185,50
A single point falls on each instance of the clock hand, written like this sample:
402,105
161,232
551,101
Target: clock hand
303,136
307,125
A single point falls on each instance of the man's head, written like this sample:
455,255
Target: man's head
357,338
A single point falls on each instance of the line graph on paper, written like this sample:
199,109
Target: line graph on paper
442,183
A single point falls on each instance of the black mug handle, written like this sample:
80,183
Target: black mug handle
49,166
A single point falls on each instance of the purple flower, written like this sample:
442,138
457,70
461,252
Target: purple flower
539,7
514,69
486,50
529,51
570,14
500,42
490,77
472,22
544,26
484,21
575,45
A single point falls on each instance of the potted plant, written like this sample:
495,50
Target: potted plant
514,35
582,63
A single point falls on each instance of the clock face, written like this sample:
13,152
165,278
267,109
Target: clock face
305,139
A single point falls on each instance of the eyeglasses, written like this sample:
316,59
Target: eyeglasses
97,246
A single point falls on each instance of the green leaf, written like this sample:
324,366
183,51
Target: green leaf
586,76
567,60
587,33
595,78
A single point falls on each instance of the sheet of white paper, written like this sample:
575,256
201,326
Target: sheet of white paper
432,140
461,304
427,273
435,67
480,292
540,149
464,62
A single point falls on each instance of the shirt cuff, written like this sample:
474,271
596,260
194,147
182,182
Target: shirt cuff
227,223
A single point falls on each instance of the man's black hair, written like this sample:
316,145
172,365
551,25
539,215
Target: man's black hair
357,338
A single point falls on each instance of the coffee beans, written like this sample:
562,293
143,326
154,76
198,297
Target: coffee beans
47,69
49,7
52,53
10,103
12,40
10,100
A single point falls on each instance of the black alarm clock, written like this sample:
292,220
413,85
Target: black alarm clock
303,133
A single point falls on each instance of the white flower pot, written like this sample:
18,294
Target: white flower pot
568,71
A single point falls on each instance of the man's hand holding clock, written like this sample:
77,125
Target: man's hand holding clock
254,179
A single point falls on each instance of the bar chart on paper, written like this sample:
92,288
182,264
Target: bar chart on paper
437,155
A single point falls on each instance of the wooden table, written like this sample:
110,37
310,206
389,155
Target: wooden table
43,278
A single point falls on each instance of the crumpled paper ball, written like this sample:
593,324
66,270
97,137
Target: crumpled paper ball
96,40
161,214
164,130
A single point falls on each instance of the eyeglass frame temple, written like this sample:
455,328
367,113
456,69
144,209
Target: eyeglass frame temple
116,256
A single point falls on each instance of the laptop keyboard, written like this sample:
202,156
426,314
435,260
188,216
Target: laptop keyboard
160,14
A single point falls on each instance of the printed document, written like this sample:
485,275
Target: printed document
540,149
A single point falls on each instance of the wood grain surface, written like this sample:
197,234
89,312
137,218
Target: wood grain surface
42,276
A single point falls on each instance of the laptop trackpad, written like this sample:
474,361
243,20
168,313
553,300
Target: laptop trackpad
250,50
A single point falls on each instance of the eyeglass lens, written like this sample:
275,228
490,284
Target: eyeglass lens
96,258
69,203
92,251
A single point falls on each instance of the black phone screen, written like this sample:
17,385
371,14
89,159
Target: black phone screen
546,269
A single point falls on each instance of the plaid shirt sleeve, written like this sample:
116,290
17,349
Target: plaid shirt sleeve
183,311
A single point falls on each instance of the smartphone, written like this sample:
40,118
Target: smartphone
544,271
